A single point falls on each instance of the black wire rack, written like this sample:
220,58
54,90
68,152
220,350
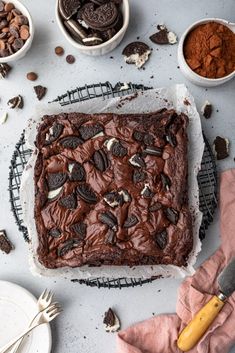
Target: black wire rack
207,176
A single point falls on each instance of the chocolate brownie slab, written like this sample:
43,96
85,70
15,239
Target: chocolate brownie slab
112,190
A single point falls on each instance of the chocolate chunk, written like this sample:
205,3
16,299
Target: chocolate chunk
109,219
69,202
100,160
111,237
79,229
131,221
77,172
56,180
55,233
68,246
16,102
68,8
138,176
155,207
136,53
5,244
207,110
4,70
137,161
221,147
101,17
70,59
171,139
161,239
163,36
166,182
71,142
111,321
85,192
153,151
172,215
40,91
89,131
118,150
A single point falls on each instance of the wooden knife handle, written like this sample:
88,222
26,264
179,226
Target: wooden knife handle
196,328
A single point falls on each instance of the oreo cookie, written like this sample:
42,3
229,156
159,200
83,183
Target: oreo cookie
100,160
77,172
71,142
92,39
109,219
100,18
138,176
76,30
56,180
69,202
136,53
85,192
163,36
68,246
68,8
54,132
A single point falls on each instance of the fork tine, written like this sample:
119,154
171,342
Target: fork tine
43,294
52,316
52,307
50,296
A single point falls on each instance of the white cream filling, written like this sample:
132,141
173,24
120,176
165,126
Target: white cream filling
172,37
123,193
92,39
138,60
53,193
83,24
115,327
111,204
109,143
3,118
98,135
146,187
70,167
124,86
133,162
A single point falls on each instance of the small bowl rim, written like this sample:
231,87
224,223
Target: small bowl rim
181,48
126,18
28,41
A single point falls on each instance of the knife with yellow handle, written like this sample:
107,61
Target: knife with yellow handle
196,328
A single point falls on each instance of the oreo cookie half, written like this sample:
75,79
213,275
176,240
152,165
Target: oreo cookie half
136,53
68,8
102,17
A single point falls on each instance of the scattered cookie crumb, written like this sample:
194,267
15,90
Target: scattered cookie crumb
207,109
221,147
111,321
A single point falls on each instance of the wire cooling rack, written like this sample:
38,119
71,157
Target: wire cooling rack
207,177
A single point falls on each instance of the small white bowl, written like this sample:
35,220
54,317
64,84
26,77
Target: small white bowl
187,71
105,47
21,53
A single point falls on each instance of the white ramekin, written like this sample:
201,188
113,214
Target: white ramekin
105,47
187,71
21,53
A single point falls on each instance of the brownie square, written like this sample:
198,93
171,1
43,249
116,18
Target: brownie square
112,190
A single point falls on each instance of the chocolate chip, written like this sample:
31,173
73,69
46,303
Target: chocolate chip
101,17
59,51
131,221
69,202
109,219
171,138
56,180
71,142
100,160
138,176
118,150
89,131
166,182
40,91
68,246
221,147
111,237
79,229
5,244
161,239
68,8
155,207
85,192
55,233
78,172
153,151
172,215
70,59
32,76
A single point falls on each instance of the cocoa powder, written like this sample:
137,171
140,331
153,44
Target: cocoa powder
209,50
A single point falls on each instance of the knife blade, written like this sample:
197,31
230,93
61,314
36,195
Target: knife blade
226,279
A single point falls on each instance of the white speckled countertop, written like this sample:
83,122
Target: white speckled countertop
80,328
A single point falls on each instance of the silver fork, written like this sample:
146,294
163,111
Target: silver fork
44,317
43,302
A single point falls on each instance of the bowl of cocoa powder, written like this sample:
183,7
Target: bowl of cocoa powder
206,52
16,30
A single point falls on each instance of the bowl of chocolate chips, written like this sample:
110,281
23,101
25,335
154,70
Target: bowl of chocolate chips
16,30
94,27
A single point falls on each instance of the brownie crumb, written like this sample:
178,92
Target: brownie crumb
221,147
5,244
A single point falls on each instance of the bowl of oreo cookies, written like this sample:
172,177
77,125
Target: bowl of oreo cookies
94,27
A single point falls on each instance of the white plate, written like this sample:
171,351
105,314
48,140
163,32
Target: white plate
17,308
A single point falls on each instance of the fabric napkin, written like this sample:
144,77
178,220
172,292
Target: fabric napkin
160,333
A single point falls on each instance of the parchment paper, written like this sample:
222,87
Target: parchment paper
176,97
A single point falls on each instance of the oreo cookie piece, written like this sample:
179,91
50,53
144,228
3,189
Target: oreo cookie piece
101,17
131,221
79,229
100,160
153,151
138,176
108,34
93,39
171,139
163,36
136,53
56,180
71,142
221,147
144,137
161,239
68,8
89,131
85,192
77,172
55,233
68,246
146,192
172,215
69,201
54,132
40,91
155,207
137,161
166,182
76,30
118,150
109,219
111,237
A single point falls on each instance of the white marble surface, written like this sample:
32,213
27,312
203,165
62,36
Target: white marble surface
83,307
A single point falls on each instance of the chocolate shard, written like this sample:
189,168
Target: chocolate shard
55,233
85,192
153,151
131,221
161,239
69,201
118,150
109,219
40,91
71,142
89,131
138,176
172,215
77,172
166,182
79,229
5,244
100,160
56,180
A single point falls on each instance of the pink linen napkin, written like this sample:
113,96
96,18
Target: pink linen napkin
160,333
